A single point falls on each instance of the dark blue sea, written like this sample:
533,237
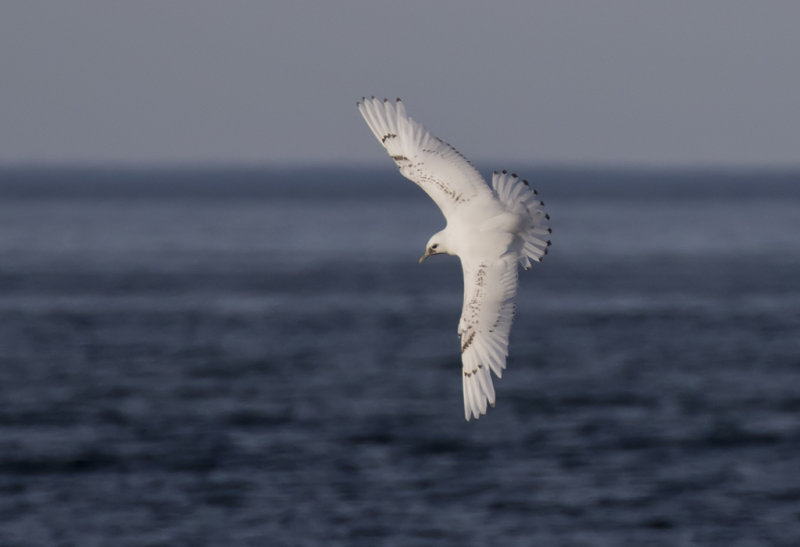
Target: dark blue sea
253,357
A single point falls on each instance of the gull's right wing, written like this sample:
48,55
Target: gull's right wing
489,289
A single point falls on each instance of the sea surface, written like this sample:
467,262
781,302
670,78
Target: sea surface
254,357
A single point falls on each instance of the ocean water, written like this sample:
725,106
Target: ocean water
254,357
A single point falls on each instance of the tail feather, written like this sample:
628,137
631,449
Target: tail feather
515,194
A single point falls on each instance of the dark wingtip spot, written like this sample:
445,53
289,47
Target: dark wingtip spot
547,217
549,230
525,182
398,100
385,100
549,242
514,175
504,171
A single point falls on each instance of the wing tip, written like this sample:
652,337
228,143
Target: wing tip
372,98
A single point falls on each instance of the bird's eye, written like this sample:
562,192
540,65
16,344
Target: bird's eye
433,247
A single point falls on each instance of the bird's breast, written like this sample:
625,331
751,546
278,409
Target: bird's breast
490,238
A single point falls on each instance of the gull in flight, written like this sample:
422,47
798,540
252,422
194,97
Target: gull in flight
491,230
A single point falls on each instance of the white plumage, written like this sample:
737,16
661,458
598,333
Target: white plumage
489,229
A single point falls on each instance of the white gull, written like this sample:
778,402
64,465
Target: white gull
489,229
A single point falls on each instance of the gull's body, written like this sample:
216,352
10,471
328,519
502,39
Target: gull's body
491,230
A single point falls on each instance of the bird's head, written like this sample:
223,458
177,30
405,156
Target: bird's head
436,245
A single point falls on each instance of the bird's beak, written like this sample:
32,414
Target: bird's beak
426,255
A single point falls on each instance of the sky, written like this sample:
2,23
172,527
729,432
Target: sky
617,82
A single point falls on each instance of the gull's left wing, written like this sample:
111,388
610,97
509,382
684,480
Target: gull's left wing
438,168
489,289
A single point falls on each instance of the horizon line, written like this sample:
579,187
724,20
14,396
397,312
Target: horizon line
379,164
